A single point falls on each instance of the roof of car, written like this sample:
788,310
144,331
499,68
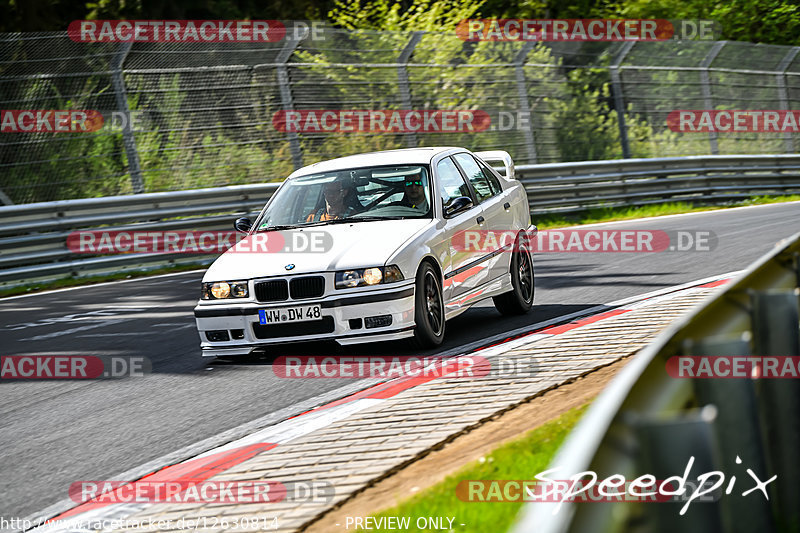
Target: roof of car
407,156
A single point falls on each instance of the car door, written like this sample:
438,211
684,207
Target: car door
496,211
461,275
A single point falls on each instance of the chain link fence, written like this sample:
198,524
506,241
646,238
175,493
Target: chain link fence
206,111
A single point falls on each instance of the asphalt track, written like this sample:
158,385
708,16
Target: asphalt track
53,433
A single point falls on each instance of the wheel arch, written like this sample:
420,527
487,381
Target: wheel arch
435,264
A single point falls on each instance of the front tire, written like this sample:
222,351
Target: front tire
520,299
429,309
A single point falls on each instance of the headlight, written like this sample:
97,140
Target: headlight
372,276
349,278
362,277
219,290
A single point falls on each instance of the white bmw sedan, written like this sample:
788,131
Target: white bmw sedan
401,242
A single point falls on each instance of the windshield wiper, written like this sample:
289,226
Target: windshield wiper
347,220
278,227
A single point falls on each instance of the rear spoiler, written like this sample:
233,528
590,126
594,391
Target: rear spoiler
501,156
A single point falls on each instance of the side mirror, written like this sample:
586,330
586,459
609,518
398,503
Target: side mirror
243,224
457,205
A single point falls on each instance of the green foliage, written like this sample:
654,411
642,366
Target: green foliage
385,15
573,112
757,21
587,127
764,21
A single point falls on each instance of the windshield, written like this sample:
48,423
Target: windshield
372,193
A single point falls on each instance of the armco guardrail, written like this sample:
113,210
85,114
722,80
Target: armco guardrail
33,236
647,422
570,187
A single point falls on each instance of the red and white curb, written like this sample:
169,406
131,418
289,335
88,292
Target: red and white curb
221,458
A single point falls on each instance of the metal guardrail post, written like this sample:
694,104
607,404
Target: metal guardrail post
705,87
286,96
402,80
664,443
524,104
619,102
128,140
4,199
783,95
736,430
775,316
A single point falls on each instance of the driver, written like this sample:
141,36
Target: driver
414,196
336,194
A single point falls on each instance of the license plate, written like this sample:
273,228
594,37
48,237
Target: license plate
302,313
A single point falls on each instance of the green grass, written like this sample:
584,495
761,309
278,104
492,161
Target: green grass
630,213
519,459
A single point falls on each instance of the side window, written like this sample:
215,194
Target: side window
493,181
451,183
475,176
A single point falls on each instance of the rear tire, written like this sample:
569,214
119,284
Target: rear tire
519,300
429,309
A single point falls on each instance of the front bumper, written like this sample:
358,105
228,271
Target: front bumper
241,320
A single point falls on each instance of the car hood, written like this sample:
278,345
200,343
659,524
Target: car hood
338,247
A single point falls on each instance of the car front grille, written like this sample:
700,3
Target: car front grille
307,287
278,290
296,329
272,291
